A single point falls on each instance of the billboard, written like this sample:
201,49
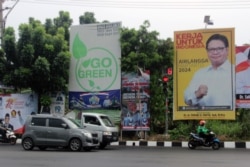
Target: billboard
95,74
242,71
17,107
135,98
204,78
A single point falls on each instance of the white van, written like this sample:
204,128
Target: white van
102,125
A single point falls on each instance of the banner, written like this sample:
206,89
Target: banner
17,107
95,74
57,106
135,97
204,79
242,76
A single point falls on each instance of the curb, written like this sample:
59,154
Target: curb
183,144
179,144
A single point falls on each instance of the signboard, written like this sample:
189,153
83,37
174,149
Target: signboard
135,98
18,107
95,74
57,106
204,79
242,76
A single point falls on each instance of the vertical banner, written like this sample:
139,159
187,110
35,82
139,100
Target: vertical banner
57,106
242,76
95,75
204,80
17,107
135,98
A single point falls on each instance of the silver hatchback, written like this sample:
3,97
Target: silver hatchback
48,131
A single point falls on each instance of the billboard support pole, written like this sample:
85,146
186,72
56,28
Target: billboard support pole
166,121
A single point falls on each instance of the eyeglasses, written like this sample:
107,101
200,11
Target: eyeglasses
218,50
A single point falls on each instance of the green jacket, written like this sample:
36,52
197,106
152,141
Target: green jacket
202,129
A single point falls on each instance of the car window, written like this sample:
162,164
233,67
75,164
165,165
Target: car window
38,122
92,120
56,123
77,122
107,121
71,123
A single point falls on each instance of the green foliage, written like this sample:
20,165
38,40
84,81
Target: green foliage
45,100
243,116
87,18
226,130
181,131
230,129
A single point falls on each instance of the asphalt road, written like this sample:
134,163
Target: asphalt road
124,156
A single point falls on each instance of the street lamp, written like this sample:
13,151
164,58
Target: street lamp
207,21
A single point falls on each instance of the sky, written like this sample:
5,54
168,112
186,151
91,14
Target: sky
165,16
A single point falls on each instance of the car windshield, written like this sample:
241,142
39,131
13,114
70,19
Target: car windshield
107,121
73,123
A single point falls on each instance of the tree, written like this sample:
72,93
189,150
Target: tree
64,21
87,18
40,58
143,48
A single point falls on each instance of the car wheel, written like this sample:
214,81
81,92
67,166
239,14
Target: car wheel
28,143
75,144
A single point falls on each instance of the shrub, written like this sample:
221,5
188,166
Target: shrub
181,131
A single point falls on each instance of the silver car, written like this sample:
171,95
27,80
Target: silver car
44,131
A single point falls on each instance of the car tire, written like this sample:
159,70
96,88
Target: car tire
75,144
27,143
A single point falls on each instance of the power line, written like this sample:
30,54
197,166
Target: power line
233,4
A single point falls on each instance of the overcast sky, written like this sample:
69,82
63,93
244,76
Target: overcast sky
165,16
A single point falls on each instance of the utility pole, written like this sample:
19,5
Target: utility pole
4,18
165,80
1,21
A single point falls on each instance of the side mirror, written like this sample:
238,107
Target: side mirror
65,126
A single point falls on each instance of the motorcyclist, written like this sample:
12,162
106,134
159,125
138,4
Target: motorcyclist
204,132
2,129
6,125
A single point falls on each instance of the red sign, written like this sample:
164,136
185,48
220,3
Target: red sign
170,71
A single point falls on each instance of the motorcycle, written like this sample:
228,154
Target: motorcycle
9,137
195,141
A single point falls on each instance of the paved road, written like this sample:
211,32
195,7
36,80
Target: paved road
124,156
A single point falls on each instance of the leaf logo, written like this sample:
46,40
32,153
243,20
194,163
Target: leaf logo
93,85
79,48
86,63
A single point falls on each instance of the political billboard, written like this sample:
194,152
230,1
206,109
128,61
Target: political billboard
242,71
204,78
135,101
17,107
